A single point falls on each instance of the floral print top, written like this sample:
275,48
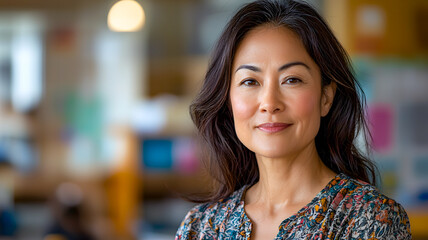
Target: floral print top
345,209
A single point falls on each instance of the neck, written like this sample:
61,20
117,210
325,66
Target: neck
290,180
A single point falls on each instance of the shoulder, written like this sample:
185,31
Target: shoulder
196,220
366,197
203,220
372,214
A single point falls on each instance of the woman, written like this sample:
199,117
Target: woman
278,113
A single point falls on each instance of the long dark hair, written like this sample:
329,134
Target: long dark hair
229,162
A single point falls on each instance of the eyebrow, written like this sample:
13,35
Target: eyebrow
283,67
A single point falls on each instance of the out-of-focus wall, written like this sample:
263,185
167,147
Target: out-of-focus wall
70,149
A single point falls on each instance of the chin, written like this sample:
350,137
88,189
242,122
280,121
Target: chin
272,153
273,156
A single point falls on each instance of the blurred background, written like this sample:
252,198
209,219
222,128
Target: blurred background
95,137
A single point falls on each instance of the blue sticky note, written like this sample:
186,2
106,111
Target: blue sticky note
157,154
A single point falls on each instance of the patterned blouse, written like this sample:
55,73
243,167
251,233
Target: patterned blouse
345,209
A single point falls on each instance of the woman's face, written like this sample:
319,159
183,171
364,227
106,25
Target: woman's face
275,93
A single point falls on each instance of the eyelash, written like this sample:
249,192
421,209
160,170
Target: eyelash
246,82
292,78
252,82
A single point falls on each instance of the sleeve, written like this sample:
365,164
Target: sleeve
382,219
190,227
185,226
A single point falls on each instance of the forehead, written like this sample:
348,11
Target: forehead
273,44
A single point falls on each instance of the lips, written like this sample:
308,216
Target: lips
273,127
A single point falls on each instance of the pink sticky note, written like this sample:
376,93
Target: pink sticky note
381,125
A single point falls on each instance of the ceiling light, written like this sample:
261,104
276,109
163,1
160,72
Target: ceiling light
126,16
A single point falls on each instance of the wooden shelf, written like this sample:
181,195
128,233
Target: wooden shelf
158,185
419,222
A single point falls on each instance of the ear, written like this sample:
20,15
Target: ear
327,98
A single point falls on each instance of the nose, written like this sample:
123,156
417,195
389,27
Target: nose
271,100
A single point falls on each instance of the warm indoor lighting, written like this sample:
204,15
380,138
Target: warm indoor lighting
126,16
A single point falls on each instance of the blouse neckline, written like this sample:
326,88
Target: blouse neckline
333,182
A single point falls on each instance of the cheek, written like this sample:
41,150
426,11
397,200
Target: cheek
241,107
307,106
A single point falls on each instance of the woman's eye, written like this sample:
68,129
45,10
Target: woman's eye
249,82
292,81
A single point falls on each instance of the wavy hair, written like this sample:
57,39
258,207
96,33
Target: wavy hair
229,162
